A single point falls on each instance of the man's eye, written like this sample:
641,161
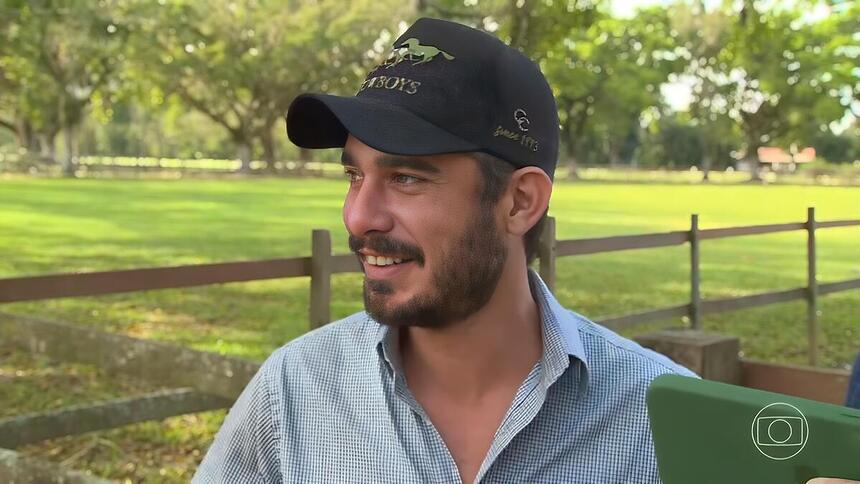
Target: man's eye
406,179
352,175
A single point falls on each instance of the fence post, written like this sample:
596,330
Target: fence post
321,268
811,288
546,253
695,295
712,356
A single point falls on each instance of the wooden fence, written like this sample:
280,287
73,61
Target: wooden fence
322,264
202,381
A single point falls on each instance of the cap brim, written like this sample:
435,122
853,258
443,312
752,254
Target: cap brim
325,121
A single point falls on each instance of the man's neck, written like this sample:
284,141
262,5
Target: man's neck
494,348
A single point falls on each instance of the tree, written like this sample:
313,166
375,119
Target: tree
538,29
702,36
534,27
28,100
58,55
605,77
776,72
841,148
242,62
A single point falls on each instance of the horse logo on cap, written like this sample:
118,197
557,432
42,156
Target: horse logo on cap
412,50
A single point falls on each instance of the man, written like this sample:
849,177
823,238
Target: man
464,367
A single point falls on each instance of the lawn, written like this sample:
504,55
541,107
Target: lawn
57,225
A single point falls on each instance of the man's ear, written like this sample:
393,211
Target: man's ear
527,198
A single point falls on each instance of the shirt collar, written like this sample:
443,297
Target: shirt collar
557,320
560,336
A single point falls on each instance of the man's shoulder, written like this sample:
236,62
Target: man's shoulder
610,405
352,335
620,358
339,345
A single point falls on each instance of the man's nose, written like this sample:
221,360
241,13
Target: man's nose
366,209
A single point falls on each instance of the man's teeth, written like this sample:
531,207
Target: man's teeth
381,260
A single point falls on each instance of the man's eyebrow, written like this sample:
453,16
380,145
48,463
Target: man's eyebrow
395,162
413,163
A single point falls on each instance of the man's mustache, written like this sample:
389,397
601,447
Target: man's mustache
386,245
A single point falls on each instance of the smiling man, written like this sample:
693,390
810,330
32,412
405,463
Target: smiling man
464,367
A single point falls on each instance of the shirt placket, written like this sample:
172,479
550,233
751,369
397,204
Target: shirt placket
442,462
527,402
532,393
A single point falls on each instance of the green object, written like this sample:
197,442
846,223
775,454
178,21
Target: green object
710,432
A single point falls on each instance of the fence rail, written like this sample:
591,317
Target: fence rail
822,384
31,428
204,381
160,363
322,264
20,469
113,282
622,242
150,359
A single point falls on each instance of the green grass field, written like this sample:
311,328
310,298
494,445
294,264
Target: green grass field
58,225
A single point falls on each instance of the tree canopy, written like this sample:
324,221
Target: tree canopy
678,85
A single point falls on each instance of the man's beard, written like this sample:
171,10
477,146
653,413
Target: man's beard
463,283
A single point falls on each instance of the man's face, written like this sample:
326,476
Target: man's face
425,213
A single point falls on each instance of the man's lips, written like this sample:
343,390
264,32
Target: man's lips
375,271
385,272
375,258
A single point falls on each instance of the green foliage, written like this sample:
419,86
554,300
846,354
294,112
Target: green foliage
841,148
605,77
777,75
535,27
58,57
241,63
207,79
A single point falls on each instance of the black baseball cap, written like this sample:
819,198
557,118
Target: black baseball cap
445,88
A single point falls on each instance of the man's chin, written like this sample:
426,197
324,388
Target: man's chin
383,304
386,309
377,288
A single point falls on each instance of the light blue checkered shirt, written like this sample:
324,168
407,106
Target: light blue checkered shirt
332,406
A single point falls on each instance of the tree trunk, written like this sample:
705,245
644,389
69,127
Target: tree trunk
612,154
26,137
159,144
245,156
31,140
68,128
573,135
571,145
520,16
69,158
752,159
755,169
49,147
10,126
572,158
268,143
706,168
573,166
305,155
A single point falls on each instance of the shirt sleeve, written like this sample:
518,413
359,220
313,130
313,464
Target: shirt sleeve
245,448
